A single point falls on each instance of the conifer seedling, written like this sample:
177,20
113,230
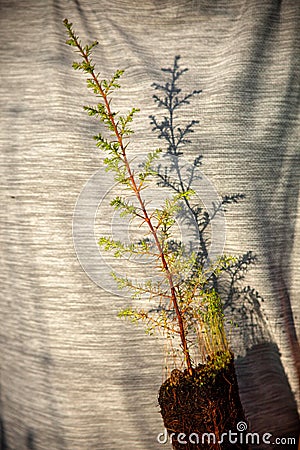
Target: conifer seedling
186,289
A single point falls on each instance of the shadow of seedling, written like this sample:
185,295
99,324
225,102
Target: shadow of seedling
30,440
242,304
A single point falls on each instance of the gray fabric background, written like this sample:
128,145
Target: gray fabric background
72,375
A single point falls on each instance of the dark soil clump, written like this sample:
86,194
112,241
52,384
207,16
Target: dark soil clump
192,406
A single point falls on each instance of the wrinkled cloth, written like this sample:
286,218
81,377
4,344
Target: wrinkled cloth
73,375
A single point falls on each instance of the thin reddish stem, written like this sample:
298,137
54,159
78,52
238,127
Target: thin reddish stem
145,214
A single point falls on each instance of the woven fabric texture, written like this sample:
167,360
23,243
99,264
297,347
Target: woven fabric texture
72,375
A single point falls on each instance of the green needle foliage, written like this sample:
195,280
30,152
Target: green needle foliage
187,309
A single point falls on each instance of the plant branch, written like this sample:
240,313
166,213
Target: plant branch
109,119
